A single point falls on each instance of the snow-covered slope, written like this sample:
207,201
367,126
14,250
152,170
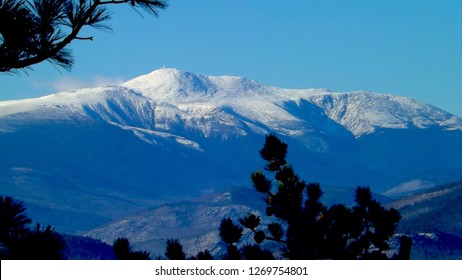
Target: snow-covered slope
172,134
171,100
194,222
363,112
359,112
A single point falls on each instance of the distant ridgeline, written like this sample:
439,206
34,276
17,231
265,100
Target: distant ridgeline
432,217
172,136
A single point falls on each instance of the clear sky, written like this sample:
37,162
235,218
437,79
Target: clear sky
405,47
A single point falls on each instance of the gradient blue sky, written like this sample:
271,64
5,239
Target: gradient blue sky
405,47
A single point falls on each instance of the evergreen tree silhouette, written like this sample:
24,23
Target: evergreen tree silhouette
19,242
40,30
122,248
124,251
12,217
405,248
41,243
140,255
304,226
230,234
204,255
174,250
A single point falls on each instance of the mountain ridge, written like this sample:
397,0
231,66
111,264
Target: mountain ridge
359,112
183,135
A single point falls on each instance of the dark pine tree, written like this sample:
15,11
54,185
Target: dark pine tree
304,226
41,243
12,217
204,255
19,242
122,248
124,251
230,234
174,250
33,31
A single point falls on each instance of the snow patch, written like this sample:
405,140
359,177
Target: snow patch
152,137
408,187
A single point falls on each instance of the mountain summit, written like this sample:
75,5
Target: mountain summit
183,96
174,85
171,135
359,112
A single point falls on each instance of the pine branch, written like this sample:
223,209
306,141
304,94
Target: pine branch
52,43
275,240
85,38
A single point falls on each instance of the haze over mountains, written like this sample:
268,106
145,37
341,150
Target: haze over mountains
84,158
431,217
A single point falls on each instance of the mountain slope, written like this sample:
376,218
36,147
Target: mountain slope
433,218
435,208
359,112
86,157
195,222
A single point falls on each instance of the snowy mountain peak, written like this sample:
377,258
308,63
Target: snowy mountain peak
173,85
124,147
175,101
169,81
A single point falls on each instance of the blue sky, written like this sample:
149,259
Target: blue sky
407,47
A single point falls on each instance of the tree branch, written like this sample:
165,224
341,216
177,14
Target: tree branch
59,46
270,238
84,38
275,240
88,11
113,2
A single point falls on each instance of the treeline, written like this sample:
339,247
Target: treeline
302,226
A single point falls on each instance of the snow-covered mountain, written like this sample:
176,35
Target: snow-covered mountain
86,157
195,222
